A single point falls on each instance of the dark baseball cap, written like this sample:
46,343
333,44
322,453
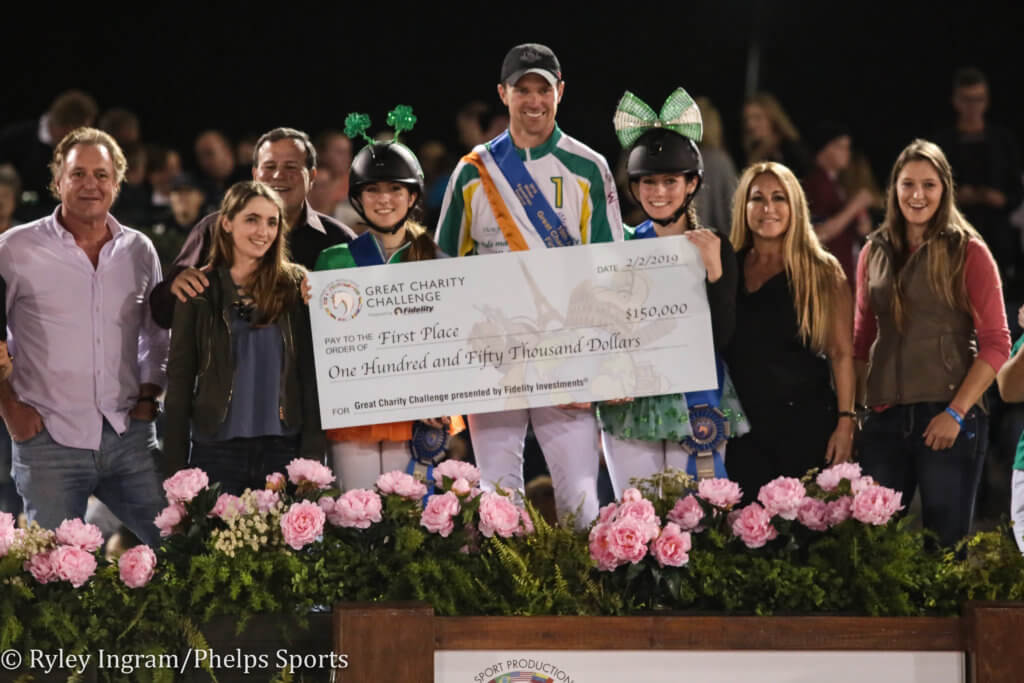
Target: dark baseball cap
531,58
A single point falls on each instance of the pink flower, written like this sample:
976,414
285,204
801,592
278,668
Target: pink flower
642,512
227,506
301,525
401,484
498,515
687,513
782,497
527,528
41,567
456,469
315,475
185,484
753,525
462,487
719,492
813,514
830,478
672,547
876,505
79,534
72,564
839,510
266,499
601,547
441,508
275,482
607,513
628,540
858,485
358,508
170,517
631,495
7,534
136,566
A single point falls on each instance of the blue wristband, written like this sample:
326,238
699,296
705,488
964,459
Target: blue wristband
956,416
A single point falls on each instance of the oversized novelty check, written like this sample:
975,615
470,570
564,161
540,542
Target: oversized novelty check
508,331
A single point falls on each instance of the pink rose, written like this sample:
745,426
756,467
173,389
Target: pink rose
72,564
7,534
839,510
642,512
858,485
527,527
136,566
462,487
456,469
631,495
672,547
401,484
185,484
498,515
813,514
687,513
265,499
607,513
722,493
628,540
227,506
358,508
79,534
830,478
753,525
876,505
310,472
41,567
601,548
437,515
275,482
782,497
170,517
301,525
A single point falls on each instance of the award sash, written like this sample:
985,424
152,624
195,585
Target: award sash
365,251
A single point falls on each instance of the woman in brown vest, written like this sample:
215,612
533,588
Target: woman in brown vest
930,335
791,357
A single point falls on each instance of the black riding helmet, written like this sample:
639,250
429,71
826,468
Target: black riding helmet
665,151
390,162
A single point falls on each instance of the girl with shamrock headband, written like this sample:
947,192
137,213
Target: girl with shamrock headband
645,435
385,188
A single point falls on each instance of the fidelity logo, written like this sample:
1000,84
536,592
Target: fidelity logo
342,300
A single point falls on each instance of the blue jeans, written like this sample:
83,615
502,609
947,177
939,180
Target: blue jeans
891,449
243,463
56,481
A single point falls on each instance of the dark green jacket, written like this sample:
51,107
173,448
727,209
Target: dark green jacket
201,371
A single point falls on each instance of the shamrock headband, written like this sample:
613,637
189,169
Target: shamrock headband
400,119
680,114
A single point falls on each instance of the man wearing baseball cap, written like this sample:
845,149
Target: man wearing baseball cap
481,214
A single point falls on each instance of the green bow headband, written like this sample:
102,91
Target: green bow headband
400,119
680,113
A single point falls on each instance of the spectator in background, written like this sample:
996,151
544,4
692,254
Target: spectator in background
216,164
82,401
334,150
930,336
188,205
285,159
162,166
436,167
986,168
769,135
244,149
122,124
28,146
840,221
714,202
133,204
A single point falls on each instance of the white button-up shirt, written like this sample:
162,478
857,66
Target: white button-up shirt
82,337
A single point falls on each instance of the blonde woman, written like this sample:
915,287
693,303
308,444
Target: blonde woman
793,338
769,134
930,336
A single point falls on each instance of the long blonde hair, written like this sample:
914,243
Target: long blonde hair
947,233
781,124
814,274
274,286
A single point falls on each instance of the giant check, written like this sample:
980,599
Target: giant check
507,331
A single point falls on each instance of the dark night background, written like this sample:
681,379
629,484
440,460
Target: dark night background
884,68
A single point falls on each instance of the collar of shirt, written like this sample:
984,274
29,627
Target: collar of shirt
58,231
312,219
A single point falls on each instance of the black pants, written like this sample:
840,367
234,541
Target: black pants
240,464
